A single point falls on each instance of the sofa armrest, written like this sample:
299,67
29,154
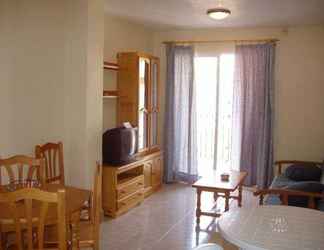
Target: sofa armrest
285,193
282,163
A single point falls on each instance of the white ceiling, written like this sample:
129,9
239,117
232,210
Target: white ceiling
245,13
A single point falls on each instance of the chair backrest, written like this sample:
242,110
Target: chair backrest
22,203
96,206
21,168
284,163
54,162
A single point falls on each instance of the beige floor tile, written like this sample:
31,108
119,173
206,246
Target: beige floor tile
166,220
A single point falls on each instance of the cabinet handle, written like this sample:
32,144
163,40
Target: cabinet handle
139,184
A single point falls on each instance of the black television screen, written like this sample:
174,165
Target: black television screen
119,146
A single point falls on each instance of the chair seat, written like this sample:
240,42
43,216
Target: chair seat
210,246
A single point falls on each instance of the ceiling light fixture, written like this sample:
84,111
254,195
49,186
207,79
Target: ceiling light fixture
218,13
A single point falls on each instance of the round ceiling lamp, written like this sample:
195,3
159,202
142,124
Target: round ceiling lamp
218,13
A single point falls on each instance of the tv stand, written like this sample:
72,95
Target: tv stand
126,186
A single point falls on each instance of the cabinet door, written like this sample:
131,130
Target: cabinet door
157,172
148,174
154,103
143,114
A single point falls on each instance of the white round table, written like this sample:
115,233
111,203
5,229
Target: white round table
273,227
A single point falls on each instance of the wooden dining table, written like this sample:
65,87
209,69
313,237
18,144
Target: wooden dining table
75,201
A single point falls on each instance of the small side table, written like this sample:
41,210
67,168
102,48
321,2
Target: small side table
214,184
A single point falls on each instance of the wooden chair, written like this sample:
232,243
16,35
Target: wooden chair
23,217
90,230
20,169
285,193
54,163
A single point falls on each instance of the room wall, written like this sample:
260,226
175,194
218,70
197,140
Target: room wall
299,84
51,76
121,36
299,126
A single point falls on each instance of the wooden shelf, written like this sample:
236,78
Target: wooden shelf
111,66
127,178
110,94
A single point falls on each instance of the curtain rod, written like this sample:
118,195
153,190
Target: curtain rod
268,40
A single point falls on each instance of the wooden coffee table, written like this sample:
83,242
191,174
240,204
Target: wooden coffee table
214,184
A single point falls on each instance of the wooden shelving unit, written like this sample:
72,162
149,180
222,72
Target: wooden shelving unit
110,93
110,66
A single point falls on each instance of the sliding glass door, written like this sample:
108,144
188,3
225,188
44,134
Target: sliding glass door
214,88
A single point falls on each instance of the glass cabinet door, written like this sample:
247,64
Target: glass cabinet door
143,104
154,102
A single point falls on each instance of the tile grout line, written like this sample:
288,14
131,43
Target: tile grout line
181,220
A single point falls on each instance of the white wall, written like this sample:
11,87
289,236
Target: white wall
299,106
51,77
299,95
121,36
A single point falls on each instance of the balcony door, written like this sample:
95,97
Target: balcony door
214,85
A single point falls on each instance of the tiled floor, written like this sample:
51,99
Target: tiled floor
166,220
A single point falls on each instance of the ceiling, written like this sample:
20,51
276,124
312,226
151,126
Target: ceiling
245,13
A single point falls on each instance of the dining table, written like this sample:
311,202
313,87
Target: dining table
76,198
273,228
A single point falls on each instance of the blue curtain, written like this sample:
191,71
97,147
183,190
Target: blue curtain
253,112
180,144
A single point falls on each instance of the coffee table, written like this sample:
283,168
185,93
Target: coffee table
214,184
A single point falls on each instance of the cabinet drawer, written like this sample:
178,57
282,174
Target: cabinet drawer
130,187
131,200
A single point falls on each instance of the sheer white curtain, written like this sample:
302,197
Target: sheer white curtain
180,127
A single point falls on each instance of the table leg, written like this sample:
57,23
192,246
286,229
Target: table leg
240,196
227,197
198,210
215,196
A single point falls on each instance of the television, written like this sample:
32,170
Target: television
119,146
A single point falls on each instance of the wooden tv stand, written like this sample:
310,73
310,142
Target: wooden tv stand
126,186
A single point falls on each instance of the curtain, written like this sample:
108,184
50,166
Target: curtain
253,112
180,127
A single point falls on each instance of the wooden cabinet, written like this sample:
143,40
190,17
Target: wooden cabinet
138,85
148,177
126,186
157,172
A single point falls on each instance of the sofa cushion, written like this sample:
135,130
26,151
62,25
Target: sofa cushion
304,172
307,186
279,181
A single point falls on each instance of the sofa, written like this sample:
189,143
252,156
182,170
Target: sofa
282,190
